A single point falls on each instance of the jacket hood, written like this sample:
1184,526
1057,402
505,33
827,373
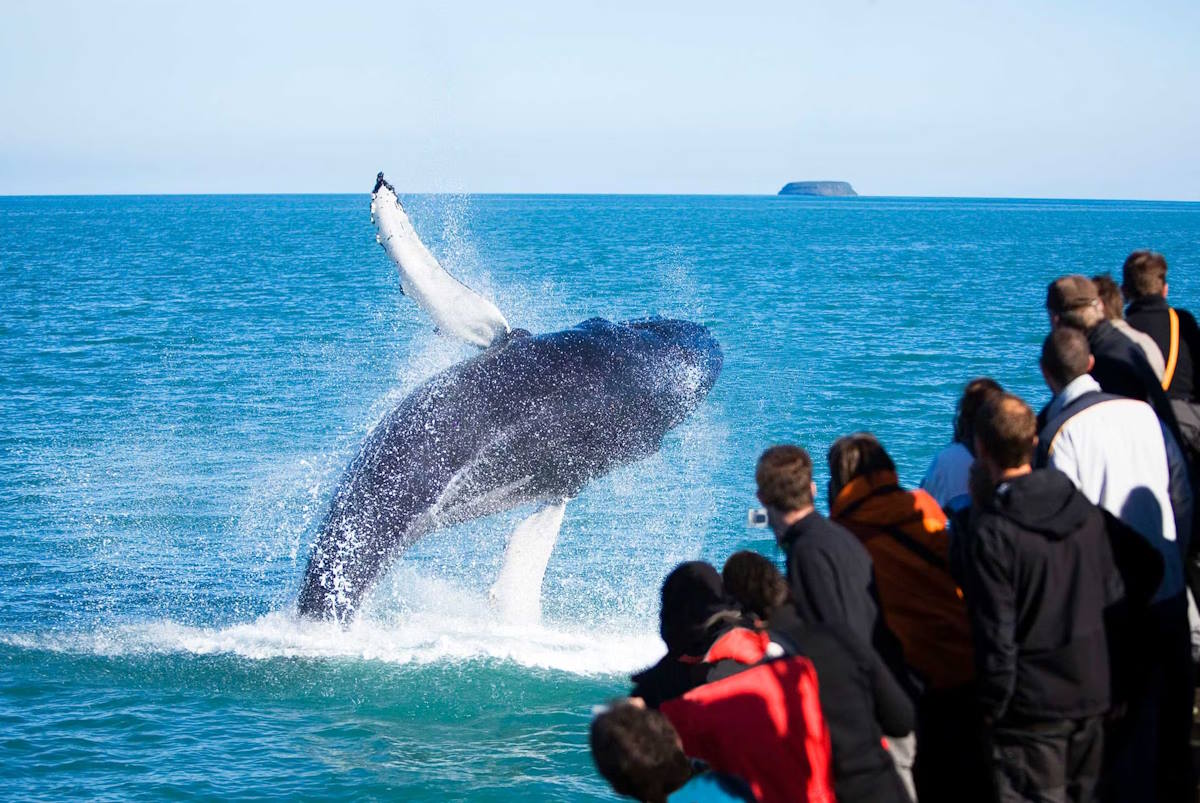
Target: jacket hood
877,500
693,600
1045,502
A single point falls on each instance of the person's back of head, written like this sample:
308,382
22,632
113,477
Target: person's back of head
1073,301
854,456
784,478
638,752
1143,275
693,600
973,396
755,583
1065,357
1110,296
1005,432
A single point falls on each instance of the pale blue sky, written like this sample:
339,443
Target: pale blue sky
922,97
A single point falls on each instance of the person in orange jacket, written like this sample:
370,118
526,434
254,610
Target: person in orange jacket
905,534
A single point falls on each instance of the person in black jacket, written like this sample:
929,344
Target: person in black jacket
1039,578
1144,284
829,572
860,698
695,612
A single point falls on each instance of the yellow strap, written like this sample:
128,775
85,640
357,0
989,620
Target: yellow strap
1173,352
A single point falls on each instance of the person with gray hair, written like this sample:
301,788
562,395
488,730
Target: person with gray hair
1120,365
1114,311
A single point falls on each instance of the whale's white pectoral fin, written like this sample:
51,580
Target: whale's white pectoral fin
517,592
455,308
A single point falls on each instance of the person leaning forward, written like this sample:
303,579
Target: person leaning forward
830,574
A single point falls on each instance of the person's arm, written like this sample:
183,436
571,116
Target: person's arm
1139,564
1189,333
991,605
1064,458
1180,491
894,709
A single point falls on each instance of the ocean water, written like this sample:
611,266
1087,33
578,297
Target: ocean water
183,379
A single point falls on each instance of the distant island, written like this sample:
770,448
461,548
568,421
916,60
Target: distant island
823,189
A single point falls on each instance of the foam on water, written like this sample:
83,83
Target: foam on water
437,622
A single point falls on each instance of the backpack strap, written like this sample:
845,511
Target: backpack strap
917,548
1173,350
1050,431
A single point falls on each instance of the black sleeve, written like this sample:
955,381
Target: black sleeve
894,709
1138,563
991,605
1189,333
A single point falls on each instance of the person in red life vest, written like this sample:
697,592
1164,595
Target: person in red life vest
639,753
905,534
860,698
736,699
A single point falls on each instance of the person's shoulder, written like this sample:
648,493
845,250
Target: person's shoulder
713,787
1185,317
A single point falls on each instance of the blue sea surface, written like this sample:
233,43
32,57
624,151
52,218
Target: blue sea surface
183,380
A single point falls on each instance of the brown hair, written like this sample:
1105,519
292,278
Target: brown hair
973,396
1007,430
637,751
755,583
1065,353
855,456
784,478
1143,274
1110,296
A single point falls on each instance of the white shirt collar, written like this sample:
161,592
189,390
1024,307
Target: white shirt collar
1076,388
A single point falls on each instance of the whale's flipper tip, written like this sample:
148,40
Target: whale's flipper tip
380,181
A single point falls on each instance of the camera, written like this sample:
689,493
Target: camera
756,517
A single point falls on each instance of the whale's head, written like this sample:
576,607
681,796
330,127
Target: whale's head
684,354
651,373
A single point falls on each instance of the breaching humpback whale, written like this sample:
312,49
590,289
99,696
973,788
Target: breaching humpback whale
529,420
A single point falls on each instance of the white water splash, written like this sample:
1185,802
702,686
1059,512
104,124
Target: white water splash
447,623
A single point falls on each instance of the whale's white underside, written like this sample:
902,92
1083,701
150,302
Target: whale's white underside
456,309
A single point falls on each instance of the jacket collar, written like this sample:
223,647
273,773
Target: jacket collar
1077,387
813,521
1148,304
861,489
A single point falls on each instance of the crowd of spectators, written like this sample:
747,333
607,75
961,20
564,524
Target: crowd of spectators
1022,627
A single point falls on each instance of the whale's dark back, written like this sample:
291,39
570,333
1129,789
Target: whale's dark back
530,420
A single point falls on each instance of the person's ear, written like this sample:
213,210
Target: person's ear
1091,362
812,489
1164,289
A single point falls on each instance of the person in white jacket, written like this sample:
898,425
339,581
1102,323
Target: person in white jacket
1123,459
1117,453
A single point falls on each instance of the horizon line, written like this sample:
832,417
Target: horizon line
252,194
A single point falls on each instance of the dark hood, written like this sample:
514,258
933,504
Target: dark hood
1045,502
692,595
